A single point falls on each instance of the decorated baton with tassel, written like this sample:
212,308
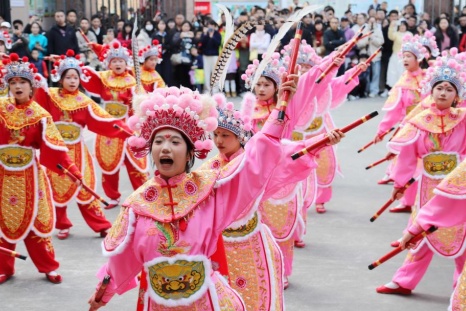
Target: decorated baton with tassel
345,51
9,252
398,250
389,202
372,142
367,62
294,56
84,36
87,188
327,140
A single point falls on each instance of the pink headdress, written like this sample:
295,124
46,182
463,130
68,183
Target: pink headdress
273,70
428,40
413,45
181,109
447,68
306,54
239,122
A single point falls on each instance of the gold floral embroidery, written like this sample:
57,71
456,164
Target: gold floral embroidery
430,121
16,118
154,200
117,83
69,102
243,230
455,182
151,77
52,135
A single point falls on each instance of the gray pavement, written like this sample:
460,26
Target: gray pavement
329,274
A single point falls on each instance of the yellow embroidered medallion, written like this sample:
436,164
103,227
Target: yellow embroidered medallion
455,183
440,164
182,279
16,157
70,132
116,109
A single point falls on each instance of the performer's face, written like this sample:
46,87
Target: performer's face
410,61
264,89
118,65
150,63
170,153
70,80
444,94
227,143
21,89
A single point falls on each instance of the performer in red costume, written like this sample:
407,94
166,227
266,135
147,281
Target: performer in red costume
72,111
114,87
26,207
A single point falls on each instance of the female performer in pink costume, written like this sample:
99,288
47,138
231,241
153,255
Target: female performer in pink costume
331,97
254,259
404,97
282,211
436,136
172,223
445,209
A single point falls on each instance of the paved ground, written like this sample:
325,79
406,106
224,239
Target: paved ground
329,274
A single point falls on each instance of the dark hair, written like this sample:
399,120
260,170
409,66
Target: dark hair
40,28
258,8
329,8
71,11
363,55
130,33
348,11
190,25
212,22
94,17
18,21
84,19
393,12
318,16
450,33
403,23
454,86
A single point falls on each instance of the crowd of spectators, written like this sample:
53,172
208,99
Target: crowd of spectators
190,48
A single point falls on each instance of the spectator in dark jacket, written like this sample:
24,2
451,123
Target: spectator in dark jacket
97,29
210,42
20,40
164,37
333,38
61,36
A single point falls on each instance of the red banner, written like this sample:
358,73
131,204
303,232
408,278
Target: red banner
202,7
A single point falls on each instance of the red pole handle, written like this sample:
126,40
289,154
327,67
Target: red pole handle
389,202
327,140
74,178
9,252
367,62
372,142
294,56
398,250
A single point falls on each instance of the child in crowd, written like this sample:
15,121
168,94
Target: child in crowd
39,63
360,90
197,70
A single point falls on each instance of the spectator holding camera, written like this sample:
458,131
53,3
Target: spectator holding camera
20,40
